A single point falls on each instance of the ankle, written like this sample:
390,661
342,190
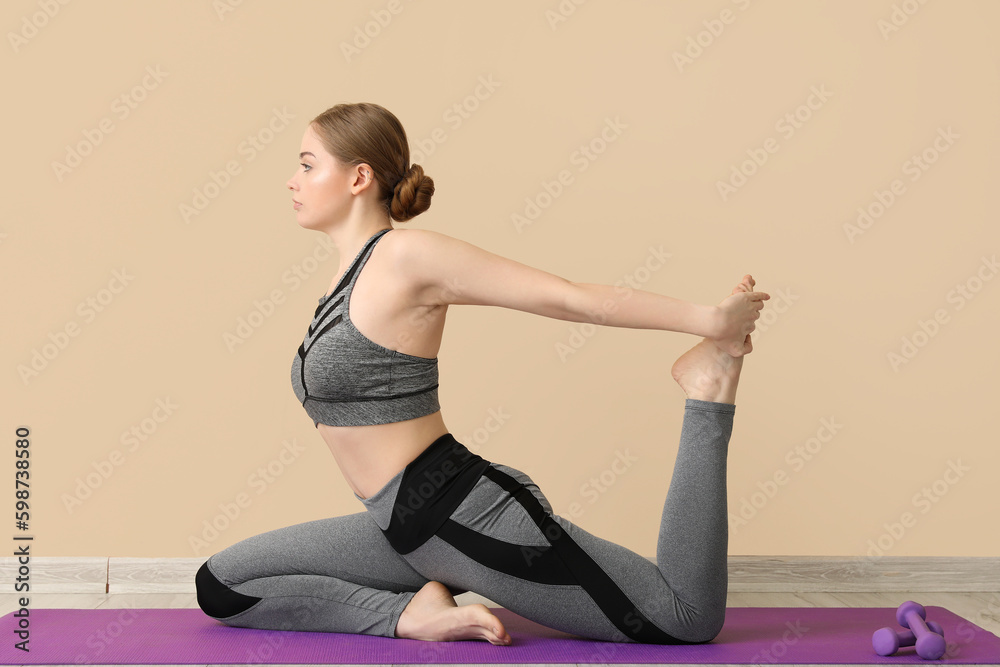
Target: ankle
721,392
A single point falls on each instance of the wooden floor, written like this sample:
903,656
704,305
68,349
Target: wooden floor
983,609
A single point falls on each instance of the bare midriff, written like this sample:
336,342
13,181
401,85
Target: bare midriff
369,456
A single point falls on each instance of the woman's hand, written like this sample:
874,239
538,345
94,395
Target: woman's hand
735,318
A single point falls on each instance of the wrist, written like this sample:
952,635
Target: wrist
711,322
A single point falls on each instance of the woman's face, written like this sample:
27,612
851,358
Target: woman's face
321,185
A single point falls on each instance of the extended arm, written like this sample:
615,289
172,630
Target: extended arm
445,270
622,306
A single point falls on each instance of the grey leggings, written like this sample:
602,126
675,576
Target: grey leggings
496,536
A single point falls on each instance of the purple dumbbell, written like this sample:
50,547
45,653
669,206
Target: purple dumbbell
930,645
887,641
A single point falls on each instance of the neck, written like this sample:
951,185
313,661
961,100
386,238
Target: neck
349,242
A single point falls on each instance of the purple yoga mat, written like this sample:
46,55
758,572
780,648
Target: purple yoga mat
752,635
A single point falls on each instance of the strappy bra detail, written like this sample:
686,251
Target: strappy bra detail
343,378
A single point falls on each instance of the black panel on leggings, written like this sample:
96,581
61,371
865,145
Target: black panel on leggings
539,564
583,570
432,487
218,600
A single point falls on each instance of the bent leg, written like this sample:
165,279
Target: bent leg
330,575
504,542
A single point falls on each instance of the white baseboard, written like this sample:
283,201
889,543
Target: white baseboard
832,574
746,574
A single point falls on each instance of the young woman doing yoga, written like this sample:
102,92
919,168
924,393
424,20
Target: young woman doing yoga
440,520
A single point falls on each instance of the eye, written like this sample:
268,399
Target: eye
305,165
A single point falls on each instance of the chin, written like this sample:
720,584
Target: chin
303,221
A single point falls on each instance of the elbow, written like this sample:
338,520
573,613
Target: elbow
580,303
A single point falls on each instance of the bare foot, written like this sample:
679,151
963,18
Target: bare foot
708,373
433,616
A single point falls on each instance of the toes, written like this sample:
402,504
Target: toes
500,637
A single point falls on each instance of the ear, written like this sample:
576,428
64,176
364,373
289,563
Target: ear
362,176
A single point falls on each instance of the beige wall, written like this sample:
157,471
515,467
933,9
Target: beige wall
158,97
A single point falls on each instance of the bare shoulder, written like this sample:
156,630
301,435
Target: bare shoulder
416,256
442,269
425,253
409,246
409,238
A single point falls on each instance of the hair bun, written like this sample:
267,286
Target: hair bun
412,194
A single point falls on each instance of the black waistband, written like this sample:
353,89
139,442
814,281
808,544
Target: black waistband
433,486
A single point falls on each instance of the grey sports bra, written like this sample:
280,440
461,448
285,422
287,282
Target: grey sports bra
343,378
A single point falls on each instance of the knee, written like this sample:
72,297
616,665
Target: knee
682,623
707,627
216,598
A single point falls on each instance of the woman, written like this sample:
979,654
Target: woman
440,520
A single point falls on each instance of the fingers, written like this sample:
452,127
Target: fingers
748,283
741,349
756,301
755,304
